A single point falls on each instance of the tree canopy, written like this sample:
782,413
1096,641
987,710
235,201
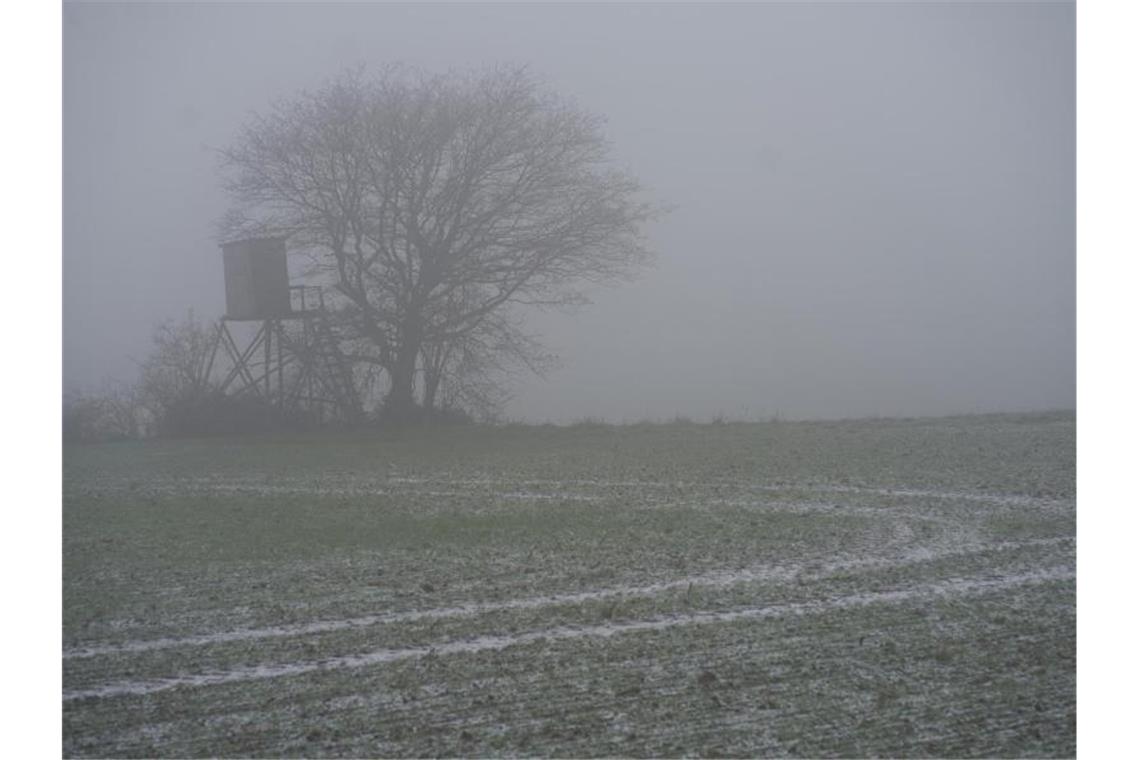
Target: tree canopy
434,205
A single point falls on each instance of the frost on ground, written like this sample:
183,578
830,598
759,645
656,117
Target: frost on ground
854,588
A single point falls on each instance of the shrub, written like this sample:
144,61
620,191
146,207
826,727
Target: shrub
214,413
115,413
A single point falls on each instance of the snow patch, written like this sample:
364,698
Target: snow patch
761,572
949,588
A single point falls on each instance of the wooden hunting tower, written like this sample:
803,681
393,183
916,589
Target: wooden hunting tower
293,360
257,279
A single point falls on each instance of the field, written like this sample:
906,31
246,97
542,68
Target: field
894,587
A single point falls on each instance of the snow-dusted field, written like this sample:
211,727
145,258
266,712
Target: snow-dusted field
847,588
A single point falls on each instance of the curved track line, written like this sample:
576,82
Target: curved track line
385,488
954,587
754,573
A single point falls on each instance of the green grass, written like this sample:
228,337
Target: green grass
205,537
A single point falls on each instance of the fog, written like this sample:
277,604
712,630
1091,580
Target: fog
872,205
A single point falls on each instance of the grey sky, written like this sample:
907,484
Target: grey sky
874,203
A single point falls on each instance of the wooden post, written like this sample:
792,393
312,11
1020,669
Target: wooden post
268,327
280,366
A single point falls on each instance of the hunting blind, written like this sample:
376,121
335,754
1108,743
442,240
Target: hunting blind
293,359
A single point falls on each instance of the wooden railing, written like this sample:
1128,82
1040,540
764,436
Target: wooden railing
305,298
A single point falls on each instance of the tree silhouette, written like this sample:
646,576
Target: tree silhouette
435,204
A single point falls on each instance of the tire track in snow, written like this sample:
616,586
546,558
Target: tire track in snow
719,579
949,588
397,485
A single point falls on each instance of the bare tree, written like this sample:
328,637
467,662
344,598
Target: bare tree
434,204
177,368
467,373
126,409
113,412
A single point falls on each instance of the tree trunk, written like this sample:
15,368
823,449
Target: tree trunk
431,387
400,403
